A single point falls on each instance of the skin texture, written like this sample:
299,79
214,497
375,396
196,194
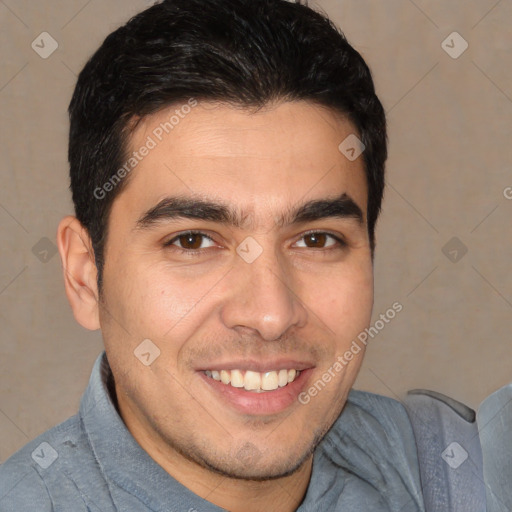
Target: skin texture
298,300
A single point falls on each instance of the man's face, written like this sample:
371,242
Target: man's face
260,289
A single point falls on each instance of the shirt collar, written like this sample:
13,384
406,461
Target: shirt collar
364,443
122,461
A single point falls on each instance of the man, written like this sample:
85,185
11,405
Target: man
227,170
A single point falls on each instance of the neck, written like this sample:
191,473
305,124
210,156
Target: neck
283,494
236,495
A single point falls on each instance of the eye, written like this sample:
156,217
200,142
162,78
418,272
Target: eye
191,241
319,240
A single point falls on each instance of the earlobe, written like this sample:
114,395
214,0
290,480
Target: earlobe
79,269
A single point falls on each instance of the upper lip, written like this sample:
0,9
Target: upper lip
258,366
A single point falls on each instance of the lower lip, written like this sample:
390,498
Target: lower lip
268,402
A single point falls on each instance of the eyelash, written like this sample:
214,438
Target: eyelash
341,243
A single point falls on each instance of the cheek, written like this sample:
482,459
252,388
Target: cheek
166,302
344,301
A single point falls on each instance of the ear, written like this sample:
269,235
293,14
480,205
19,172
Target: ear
80,273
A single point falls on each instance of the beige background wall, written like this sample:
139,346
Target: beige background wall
450,164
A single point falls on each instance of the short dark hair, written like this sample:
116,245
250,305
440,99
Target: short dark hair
246,53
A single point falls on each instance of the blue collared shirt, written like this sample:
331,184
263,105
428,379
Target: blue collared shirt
91,463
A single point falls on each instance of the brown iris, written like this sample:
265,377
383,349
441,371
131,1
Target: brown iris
191,240
317,240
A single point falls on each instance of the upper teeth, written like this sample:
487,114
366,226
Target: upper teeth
254,381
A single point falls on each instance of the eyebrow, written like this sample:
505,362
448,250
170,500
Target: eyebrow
178,207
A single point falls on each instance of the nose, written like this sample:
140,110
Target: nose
262,298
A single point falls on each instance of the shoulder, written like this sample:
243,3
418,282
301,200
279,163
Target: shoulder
22,489
374,434
390,414
25,475
373,402
375,424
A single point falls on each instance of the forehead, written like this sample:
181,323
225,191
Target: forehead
262,160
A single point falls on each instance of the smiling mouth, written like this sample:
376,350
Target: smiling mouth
257,382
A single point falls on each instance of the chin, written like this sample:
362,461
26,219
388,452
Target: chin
249,463
261,471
